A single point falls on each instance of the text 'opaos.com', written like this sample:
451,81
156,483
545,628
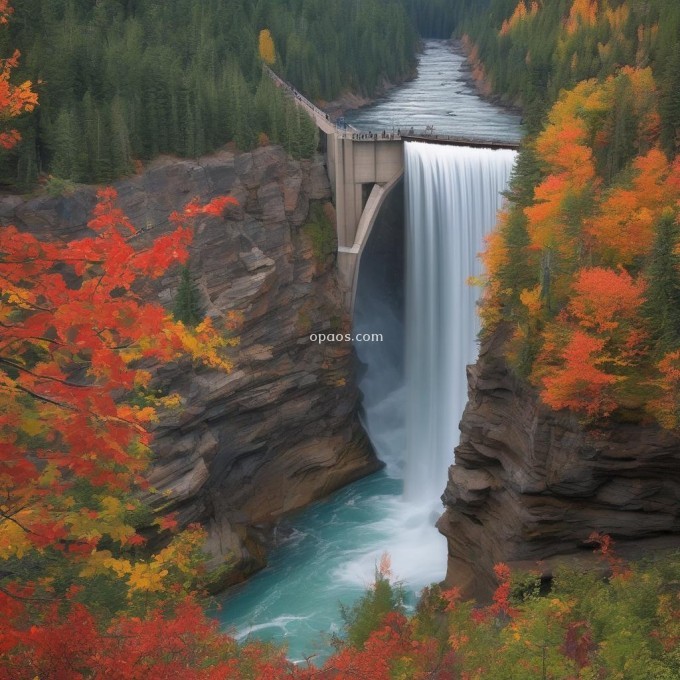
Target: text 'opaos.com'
321,338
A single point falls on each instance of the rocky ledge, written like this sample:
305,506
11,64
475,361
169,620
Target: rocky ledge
280,430
530,485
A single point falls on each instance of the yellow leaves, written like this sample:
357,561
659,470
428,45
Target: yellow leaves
21,298
496,254
142,379
102,561
49,476
560,608
147,577
13,541
617,18
108,521
531,299
266,47
171,401
154,574
111,506
204,343
32,427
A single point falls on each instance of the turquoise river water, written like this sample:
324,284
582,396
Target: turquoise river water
327,554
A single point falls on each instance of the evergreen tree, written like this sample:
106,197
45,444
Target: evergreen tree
308,136
129,80
622,129
663,287
121,157
187,307
670,105
65,159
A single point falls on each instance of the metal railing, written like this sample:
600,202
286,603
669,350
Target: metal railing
347,131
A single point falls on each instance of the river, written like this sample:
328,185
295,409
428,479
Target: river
327,554
440,96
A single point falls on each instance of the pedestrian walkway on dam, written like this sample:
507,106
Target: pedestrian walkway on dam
363,167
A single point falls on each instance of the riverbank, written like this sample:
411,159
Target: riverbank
442,98
475,75
350,101
470,72
327,553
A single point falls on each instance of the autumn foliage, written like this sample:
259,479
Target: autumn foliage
76,403
266,47
590,306
584,627
80,594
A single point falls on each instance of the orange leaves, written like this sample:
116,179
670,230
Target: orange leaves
520,15
215,208
451,597
596,208
589,349
531,299
544,218
623,230
569,179
496,253
624,226
5,11
68,353
562,146
604,299
583,13
14,99
579,383
665,407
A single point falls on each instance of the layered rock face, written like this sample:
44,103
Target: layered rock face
280,430
530,485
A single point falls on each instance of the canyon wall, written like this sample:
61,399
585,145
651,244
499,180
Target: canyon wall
281,429
530,485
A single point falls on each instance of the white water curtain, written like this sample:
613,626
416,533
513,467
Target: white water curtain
453,195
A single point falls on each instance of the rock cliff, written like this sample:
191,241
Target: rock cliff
530,485
280,430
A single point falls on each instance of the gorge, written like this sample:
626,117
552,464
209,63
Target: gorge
408,291
287,409
245,346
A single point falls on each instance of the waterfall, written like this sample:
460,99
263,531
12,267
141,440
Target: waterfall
452,198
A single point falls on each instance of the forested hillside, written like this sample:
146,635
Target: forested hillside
584,269
123,80
585,264
530,50
440,18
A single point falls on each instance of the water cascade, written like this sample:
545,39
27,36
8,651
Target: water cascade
453,195
327,554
